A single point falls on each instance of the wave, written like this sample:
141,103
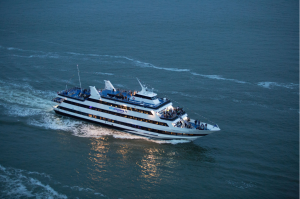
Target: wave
48,55
26,95
241,185
218,77
23,50
17,183
270,85
136,62
148,65
142,64
98,73
55,55
50,121
72,53
12,48
22,112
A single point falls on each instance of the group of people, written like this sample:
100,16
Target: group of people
173,112
187,124
120,94
124,91
184,124
202,126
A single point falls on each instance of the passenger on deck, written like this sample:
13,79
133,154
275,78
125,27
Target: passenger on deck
195,122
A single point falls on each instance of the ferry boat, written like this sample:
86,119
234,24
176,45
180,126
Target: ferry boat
136,112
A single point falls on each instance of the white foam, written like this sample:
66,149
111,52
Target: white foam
241,185
12,48
22,112
171,141
123,135
218,77
50,121
81,189
17,184
25,95
40,174
90,130
47,55
145,64
100,73
72,53
270,85
2,168
56,56
148,65
47,192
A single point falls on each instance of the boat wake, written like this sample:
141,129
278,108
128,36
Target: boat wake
18,183
112,58
271,85
218,77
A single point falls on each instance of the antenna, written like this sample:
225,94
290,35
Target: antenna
79,78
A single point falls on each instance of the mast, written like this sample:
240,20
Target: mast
79,78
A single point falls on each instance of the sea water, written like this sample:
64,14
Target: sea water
231,63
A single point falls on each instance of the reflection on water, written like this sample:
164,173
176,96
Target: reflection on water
150,163
141,161
99,151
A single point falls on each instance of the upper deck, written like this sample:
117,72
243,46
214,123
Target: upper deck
115,95
75,93
129,97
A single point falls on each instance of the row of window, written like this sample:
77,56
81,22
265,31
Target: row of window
120,106
127,124
117,114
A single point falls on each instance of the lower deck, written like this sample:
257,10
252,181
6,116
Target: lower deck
131,128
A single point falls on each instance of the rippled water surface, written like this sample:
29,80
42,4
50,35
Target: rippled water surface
234,63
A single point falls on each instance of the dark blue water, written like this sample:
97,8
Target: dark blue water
234,63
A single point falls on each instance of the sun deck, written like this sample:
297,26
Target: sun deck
75,93
118,95
128,97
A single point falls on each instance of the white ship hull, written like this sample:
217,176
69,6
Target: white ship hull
132,130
